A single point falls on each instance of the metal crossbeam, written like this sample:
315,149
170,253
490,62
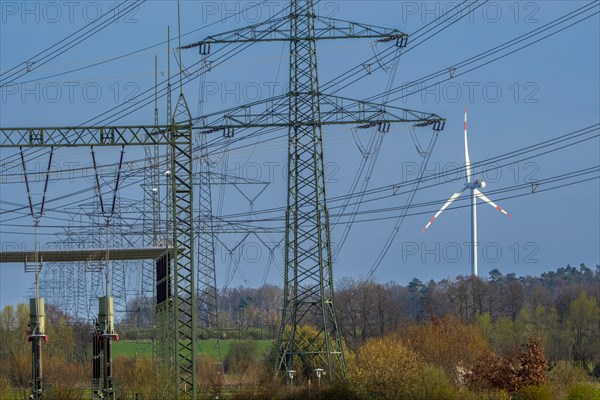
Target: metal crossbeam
335,110
277,30
85,136
79,255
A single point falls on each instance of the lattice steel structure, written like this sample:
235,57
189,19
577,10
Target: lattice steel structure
66,285
303,111
152,217
308,285
178,136
183,245
208,306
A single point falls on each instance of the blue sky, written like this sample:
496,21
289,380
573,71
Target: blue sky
547,90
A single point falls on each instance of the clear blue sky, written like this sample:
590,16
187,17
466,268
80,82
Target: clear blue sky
544,91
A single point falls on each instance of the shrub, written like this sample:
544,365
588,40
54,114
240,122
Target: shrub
583,391
332,392
533,364
435,385
142,376
496,395
384,368
309,340
258,393
66,393
535,393
566,373
211,384
4,384
337,392
511,373
465,394
448,343
240,356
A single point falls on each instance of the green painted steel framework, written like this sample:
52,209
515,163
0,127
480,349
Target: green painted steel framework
308,285
304,110
176,317
208,304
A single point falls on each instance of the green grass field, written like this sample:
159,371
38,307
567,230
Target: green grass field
127,348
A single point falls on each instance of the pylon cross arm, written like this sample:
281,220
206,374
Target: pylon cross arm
85,136
277,30
335,110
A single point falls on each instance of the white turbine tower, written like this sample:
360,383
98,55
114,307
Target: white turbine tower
474,186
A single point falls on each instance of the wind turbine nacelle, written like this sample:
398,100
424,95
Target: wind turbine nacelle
477,184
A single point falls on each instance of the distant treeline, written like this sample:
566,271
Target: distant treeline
561,307
502,337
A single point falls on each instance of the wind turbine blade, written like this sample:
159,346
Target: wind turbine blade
454,196
491,203
467,158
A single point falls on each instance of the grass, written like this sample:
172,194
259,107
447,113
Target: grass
127,348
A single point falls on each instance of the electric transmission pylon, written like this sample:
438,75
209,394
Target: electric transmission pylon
152,220
208,309
308,285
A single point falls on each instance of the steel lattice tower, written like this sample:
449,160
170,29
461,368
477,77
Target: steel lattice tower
208,310
308,285
152,217
183,245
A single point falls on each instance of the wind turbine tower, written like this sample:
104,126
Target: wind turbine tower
474,186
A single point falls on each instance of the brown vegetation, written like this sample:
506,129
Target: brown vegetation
513,372
468,339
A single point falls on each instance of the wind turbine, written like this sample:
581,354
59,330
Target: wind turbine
474,186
